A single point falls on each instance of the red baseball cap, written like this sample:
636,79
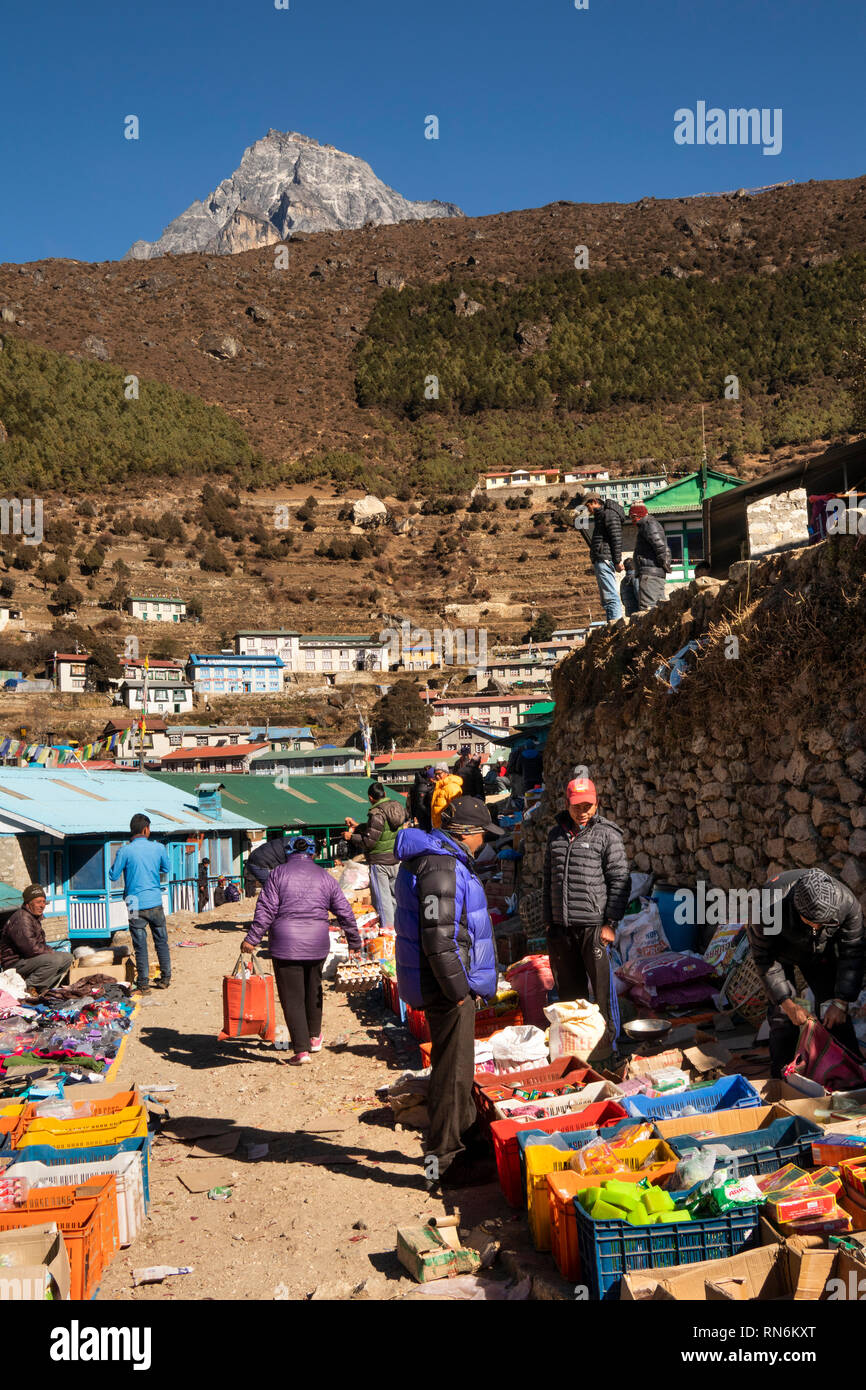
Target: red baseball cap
580,789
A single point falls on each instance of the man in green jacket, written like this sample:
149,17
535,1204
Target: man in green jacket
375,838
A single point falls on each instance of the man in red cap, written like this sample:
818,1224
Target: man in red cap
586,891
652,557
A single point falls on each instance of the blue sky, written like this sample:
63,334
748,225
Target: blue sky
536,100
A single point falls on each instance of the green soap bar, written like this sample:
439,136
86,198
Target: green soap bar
589,1196
656,1199
640,1216
613,1187
603,1211
627,1201
665,1216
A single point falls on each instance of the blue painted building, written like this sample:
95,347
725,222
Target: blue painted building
62,827
226,673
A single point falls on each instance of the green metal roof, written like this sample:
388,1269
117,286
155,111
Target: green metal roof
9,897
685,493
314,801
541,707
414,765
296,754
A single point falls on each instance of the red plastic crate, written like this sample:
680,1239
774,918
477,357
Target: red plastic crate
502,1087
504,1135
486,1022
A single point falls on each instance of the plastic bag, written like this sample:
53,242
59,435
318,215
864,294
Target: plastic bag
642,935
727,946
248,1003
532,978
518,1047
695,1166
576,1028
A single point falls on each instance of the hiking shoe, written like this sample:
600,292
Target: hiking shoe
162,983
142,987
299,1058
316,1044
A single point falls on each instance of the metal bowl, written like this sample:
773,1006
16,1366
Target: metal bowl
647,1029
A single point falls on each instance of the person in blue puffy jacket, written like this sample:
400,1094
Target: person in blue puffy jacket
446,959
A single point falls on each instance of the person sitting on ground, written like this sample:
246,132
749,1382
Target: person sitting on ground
445,788
446,958
652,557
231,893
376,839
817,928
219,893
23,947
292,911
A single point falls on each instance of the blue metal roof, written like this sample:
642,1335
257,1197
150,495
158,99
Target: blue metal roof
231,659
259,731
68,802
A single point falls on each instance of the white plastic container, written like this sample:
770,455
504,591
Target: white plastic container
557,1105
130,1187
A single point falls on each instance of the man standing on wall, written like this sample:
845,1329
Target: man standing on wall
652,557
605,551
141,862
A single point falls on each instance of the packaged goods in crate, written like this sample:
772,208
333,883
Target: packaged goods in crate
357,977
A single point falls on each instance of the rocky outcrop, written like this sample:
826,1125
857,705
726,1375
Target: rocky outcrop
220,345
286,184
95,347
757,763
464,307
369,511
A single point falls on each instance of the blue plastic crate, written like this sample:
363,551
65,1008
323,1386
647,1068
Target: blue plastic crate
731,1093
610,1249
575,1139
783,1141
95,1153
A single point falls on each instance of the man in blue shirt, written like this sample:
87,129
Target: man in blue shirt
141,861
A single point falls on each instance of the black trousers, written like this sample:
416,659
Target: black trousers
449,1099
579,961
299,985
820,976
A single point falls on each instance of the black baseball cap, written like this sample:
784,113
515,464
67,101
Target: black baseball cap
467,814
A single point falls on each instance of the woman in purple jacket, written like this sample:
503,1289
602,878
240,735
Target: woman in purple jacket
293,911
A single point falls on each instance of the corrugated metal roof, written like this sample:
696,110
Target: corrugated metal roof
312,801
66,802
295,754
213,751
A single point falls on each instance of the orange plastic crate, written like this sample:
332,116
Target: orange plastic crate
562,1188
86,1215
11,1123
497,1087
487,1023
129,1123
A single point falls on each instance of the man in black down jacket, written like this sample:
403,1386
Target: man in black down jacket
586,890
605,551
469,770
652,558
263,858
817,925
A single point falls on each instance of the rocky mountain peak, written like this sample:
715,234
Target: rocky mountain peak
287,183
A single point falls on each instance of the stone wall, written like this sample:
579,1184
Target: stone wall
758,762
19,860
779,520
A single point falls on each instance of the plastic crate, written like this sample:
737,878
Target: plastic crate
574,1138
416,1022
11,1123
505,1147
98,1153
87,1216
487,1022
124,1100
558,1105
77,1134
731,1093
126,1169
610,1249
562,1189
652,1159
784,1141
492,1087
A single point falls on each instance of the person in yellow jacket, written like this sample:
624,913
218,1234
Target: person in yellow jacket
445,788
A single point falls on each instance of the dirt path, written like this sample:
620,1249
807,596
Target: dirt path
291,1228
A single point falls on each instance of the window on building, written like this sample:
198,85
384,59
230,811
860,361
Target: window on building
695,543
201,740
310,661
318,765
675,541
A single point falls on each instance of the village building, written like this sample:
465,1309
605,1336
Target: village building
62,827
512,670
283,740
483,709
227,758
316,762
226,673
483,741
128,749
70,671
156,609
679,508
211,735
276,641
326,654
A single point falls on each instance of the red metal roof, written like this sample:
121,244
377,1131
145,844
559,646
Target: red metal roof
223,750
71,656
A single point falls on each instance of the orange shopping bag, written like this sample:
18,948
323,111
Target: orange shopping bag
248,1003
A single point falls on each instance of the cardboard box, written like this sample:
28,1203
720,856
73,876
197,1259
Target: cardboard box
817,1107
722,1122
124,972
784,1270
100,1090
34,1260
428,1253
772,1091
